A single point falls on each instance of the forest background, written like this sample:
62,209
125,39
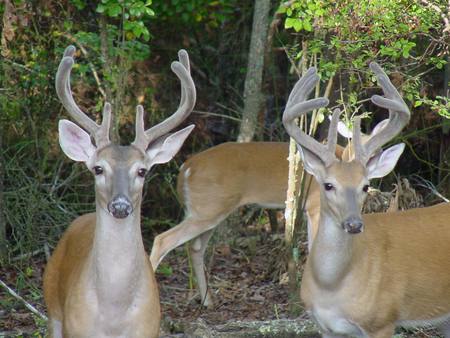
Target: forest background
245,58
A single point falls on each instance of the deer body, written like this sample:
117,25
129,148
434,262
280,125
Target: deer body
215,182
365,275
234,174
99,282
388,276
113,267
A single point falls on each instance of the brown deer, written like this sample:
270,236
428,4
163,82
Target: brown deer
99,281
367,274
214,183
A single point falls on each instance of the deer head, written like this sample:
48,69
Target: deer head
120,170
344,184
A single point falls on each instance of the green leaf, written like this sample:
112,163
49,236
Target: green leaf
307,26
298,25
114,10
289,23
100,8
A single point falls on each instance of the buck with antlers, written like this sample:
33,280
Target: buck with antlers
214,183
99,282
394,273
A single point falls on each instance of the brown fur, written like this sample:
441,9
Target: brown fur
234,174
399,271
63,282
221,179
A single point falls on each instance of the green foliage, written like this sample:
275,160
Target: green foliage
133,14
345,36
440,105
194,12
165,270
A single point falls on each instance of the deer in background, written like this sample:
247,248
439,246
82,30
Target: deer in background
367,274
214,183
99,281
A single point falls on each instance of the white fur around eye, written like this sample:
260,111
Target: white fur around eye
100,180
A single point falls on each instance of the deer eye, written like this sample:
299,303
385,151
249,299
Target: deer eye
328,186
142,172
98,170
366,188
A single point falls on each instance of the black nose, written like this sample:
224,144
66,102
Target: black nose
353,225
120,206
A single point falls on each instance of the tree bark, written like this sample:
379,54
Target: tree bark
4,76
253,97
293,195
290,216
2,199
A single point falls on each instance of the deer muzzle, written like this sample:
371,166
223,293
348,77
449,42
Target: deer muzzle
120,206
353,225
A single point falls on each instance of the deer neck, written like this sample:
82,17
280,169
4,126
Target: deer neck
331,253
117,260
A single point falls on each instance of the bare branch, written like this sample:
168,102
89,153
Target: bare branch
28,305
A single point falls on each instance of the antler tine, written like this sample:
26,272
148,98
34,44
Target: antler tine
399,114
306,81
183,57
69,51
101,135
62,84
357,139
140,140
187,101
332,130
297,106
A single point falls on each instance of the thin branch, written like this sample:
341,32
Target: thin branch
217,115
445,16
28,305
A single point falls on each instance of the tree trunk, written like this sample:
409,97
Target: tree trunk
290,215
4,76
2,203
295,192
253,97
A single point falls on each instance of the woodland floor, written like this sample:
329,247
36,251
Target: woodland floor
244,273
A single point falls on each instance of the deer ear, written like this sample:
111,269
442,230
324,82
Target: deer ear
384,162
164,150
75,142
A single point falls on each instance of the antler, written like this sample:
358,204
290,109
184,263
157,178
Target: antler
187,102
399,116
297,106
62,83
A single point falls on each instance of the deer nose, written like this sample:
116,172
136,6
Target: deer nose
353,225
120,206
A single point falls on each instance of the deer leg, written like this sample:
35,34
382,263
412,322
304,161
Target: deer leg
54,328
197,250
273,220
185,231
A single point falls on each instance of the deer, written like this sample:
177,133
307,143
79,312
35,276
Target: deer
367,274
214,183
99,281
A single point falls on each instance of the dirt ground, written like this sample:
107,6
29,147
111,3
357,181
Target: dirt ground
244,273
